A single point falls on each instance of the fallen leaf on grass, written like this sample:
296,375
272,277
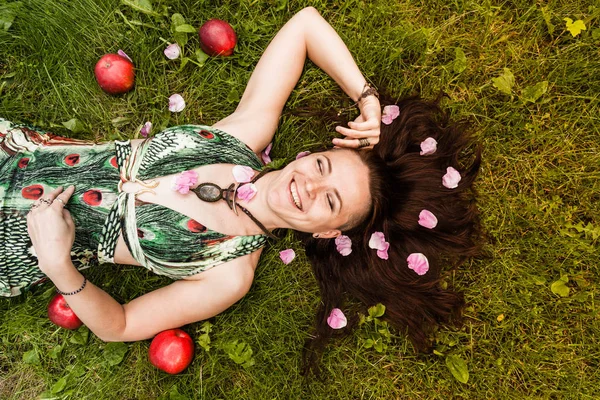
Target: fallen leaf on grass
574,27
505,82
534,92
458,368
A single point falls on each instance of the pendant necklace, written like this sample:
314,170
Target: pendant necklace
211,192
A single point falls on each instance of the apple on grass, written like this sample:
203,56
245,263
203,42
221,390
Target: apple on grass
217,38
61,314
115,74
171,351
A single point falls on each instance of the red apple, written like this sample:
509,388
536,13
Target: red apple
61,314
217,38
115,74
171,351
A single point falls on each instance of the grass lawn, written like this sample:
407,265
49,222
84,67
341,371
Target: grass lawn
531,88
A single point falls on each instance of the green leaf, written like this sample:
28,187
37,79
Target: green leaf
185,28
175,395
114,353
276,163
204,339
282,5
460,60
76,371
80,336
539,280
233,96
31,357
379,346
143,6
368,343
177,19
59,386
74,125
574,27
377,310
239,352
596,34
8,13
120,121
533,93
547,19
559,287
505,82
180,37
201,56
458,368
55,352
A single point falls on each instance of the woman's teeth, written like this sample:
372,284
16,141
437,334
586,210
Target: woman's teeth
295,197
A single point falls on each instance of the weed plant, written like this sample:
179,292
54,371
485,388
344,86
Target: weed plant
531,89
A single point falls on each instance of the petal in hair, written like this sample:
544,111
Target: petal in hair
172,51
343,245
265,154
146,129
184,181
383,252
123,54
176,103
451,178
246,192
302,154
337,319
427,219
390,113
418,263
428,146
242,173
377,241
287,256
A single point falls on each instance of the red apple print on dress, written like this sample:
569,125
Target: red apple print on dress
32,192
195,226
92,197
206,134
72,159
113,162
23,162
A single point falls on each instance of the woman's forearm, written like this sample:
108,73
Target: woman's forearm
102,314
327,50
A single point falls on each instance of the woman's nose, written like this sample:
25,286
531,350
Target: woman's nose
313,186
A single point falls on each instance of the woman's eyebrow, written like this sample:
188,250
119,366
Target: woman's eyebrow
335,190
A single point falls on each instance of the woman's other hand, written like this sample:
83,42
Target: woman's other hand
51,229
365,126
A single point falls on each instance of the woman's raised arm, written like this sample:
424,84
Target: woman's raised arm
307,33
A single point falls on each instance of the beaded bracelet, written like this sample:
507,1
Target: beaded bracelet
74,291
366,92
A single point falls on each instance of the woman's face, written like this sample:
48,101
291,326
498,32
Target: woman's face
322,191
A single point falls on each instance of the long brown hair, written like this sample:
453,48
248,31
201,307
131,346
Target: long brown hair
402,184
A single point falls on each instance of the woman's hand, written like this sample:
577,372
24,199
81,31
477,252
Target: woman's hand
51,229
365,126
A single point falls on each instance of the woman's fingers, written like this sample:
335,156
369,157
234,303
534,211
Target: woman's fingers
356,143
61,199
355,134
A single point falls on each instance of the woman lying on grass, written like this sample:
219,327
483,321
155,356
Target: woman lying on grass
392,195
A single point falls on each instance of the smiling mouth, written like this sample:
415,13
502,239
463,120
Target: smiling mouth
295,196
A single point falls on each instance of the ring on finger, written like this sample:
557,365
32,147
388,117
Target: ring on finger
61,201
46,201
34,206
363,142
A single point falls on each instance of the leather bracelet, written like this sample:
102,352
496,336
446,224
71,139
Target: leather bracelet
366,92
74,291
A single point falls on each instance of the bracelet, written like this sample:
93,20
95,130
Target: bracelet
74,291
366,92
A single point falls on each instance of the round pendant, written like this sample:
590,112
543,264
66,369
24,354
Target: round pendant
209,192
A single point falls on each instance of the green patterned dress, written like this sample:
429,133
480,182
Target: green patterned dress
33,162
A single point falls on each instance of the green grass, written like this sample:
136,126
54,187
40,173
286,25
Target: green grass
539,195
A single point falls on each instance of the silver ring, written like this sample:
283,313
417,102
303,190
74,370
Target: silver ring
61,201
46,201
363,142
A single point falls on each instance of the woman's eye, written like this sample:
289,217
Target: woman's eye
330,202
320,165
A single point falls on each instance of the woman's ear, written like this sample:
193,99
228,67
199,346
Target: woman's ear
330,234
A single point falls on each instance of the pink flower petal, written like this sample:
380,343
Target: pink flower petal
146,129
287,256
418,263
337,319
377,241
123,54
451,178
343,245
172,51
302,154
242,173
184,181
427,219
383,252
389,114
428,146
265,154
176,103
246,192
